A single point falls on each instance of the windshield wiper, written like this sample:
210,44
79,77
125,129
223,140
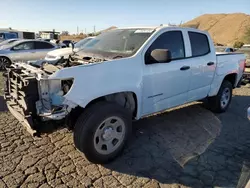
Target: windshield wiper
118,56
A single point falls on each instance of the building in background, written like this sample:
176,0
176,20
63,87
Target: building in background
9,33
49,34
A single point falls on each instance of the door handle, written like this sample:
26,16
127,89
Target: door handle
185,68
210,63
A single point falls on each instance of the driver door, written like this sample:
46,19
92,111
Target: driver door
166,85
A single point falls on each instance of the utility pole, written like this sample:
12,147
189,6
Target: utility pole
85,31
180,23
94,29
77,30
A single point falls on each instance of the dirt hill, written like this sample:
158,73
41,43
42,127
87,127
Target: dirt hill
224,28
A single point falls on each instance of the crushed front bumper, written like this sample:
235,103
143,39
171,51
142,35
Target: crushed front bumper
21,94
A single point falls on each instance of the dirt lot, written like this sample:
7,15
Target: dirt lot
187,147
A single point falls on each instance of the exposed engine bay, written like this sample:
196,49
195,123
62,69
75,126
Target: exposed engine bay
33,96
74,60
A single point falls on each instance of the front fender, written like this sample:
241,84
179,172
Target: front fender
96,80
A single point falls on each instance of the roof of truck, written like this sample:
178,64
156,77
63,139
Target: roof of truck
161,27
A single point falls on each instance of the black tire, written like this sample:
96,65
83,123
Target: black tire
4,62
88,123
214,103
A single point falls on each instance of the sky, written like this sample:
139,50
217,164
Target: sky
66,15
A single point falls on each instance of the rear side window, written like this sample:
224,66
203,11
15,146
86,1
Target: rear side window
172,41
199,44
43,45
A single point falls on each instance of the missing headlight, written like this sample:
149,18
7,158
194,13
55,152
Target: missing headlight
66,85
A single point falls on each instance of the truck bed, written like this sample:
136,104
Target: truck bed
230,63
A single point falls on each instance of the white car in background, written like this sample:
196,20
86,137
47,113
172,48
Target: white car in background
55,55
246,46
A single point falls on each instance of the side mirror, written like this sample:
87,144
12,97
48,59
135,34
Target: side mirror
160,56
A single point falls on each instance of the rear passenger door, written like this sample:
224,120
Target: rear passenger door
203,65
42,48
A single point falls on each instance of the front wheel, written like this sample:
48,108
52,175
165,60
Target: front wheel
222,100
102,130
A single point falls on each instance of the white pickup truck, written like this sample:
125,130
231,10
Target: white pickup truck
122,75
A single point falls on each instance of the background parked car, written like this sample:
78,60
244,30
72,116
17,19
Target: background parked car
67,42
246,75
224,49
24,50
54,55
58,43
245,46
6,42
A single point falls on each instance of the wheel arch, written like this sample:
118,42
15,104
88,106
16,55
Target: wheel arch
216,84
232,78
127,99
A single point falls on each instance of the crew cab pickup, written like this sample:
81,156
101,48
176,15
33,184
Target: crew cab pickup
120,76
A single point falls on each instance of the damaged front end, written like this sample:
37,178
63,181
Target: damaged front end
32,97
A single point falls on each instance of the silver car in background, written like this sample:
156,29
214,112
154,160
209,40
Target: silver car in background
24,50
8,41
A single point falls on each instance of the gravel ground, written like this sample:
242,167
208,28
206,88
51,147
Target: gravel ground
187,147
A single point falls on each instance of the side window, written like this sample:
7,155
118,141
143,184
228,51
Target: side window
199,44
43,45
171,40
24,46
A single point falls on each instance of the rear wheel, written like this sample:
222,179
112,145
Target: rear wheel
4,62
222,100
102,130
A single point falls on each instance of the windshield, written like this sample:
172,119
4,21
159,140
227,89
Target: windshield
11,35
82,42
8,35
121,41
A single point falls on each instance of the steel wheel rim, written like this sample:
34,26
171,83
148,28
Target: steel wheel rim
225,97
109,135
3,63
